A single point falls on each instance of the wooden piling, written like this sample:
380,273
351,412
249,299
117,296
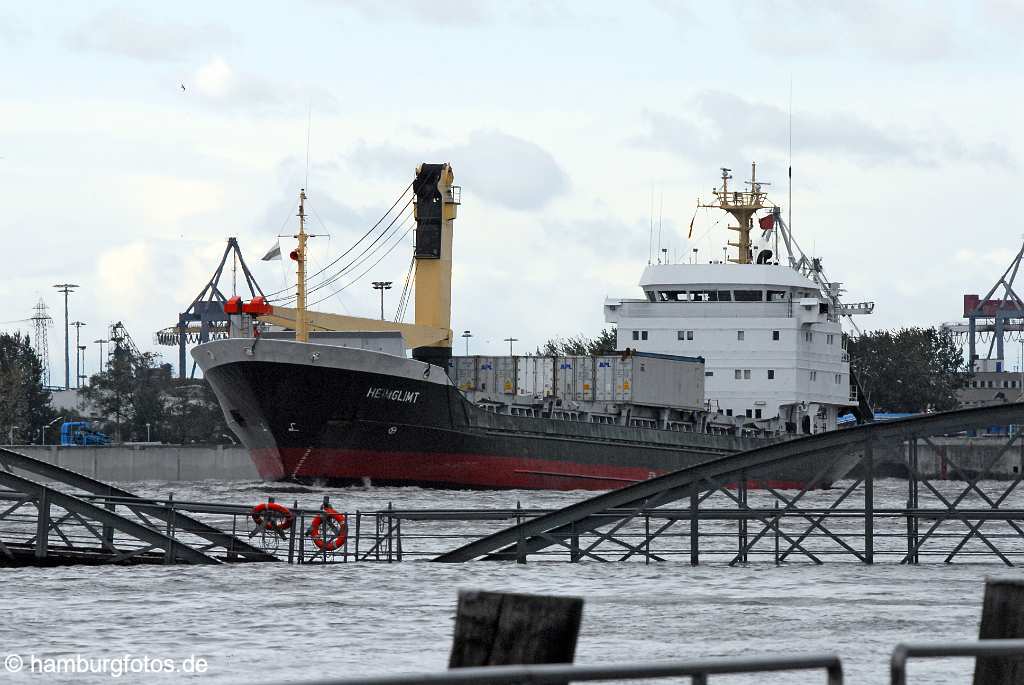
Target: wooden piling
1002,617
499,629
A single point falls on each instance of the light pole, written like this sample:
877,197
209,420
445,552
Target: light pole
382,286
66,288
101,342
467,335
147,432
48,425
510,341
78,348
81,361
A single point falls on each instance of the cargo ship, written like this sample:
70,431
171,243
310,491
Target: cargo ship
328,398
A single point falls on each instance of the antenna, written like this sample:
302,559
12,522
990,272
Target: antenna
660,207
309,126
790,207
650,235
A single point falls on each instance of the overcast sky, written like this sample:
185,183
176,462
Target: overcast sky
559,120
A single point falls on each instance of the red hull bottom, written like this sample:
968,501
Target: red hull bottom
455,470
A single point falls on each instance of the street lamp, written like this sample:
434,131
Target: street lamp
510,341
101,342
79,363
48,425
467,335
382,286
147,432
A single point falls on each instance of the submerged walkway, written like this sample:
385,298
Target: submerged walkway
589,529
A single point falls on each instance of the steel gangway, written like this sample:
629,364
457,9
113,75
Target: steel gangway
51,515
936,521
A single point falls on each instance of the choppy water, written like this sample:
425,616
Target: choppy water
264,623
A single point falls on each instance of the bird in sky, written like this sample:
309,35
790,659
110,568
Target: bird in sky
182,87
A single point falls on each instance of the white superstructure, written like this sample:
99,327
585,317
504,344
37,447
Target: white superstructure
769,333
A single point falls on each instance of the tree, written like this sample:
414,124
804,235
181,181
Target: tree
580,345
24,401
909,370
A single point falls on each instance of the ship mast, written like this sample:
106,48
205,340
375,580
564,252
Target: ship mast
301,322
742,205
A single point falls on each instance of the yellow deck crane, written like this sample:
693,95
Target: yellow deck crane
430,337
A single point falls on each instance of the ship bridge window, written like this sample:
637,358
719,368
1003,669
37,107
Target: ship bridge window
725,296
776,295
749,295
704,296
650,295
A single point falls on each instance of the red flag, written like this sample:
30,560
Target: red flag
767,223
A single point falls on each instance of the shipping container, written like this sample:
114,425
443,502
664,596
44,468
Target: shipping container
641,378
535,376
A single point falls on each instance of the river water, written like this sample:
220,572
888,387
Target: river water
266,623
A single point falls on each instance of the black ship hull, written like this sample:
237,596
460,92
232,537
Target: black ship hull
310,412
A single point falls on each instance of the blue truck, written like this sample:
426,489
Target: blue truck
81,433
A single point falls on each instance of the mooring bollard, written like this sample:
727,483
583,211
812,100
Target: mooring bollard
500,629
1002,616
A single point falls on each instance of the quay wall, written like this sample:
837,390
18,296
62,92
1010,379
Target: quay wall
125,463
956,458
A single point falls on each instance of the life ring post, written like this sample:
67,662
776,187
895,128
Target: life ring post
329,529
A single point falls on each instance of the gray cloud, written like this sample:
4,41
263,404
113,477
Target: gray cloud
508,171
127,34
914,32
458,13
725,126
500,168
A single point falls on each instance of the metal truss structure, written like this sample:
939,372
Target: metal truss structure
204,319
77,519
730,521
993,321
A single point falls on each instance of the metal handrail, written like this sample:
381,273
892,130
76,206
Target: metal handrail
939,650
697,670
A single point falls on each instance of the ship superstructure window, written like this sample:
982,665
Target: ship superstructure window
814,375
709,373
839,378
684,335
771,374
750,413
738,375
757,413
776,295
643,335
739,335
808,336
639,335
829,338
749,295
775,335
725,296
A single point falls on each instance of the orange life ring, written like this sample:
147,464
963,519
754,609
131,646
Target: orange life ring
329,545
282,518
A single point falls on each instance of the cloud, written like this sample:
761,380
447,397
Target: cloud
220,85
461,14
126,34
503,169
909,31
725,126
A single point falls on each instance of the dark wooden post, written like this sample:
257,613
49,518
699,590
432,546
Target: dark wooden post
500,629
1002,617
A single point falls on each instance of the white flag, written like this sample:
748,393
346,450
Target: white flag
273,253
